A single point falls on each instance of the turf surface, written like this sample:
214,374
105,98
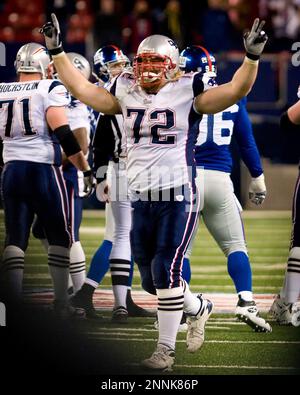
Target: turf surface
231,347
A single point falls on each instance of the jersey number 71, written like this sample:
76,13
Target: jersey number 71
11,103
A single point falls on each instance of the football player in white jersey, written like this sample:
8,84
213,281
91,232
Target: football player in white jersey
109,148
219,206
285,308
33,125
78,119
159,108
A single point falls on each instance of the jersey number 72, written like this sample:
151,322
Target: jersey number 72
156,127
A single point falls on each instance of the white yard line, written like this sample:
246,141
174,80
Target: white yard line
230,367
239,367
134,339
92,230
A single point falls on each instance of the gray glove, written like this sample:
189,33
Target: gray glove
255,40
257,190
51,32
89,183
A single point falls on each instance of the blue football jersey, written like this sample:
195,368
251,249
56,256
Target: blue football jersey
212,149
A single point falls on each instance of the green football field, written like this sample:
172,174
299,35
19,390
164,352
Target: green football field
230,347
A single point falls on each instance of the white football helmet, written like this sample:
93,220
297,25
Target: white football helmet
81,63
32,58
78,61
157,59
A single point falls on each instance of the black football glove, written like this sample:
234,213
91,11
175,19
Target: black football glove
255,40
89,183
51,32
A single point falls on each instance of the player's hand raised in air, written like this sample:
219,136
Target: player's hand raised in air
255,39
51,32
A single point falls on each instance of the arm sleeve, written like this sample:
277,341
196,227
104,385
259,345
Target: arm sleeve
57,95
103,145
244,135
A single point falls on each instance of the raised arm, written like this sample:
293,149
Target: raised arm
94,96
294,113
219,98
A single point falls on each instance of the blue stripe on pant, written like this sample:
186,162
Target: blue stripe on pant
30,188
161,231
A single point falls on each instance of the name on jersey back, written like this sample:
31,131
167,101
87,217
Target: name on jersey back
18,87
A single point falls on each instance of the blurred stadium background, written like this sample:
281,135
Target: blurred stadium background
216,24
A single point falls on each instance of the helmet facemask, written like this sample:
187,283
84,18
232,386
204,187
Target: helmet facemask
151,70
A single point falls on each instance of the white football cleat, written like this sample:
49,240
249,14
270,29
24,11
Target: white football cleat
196,325
162,359
63,310
281,311
119,315
296,318
248,313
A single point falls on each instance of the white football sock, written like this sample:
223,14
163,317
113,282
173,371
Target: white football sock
59,262
70,282
247,296
120,293
169,313
191,304
119,269
291,287
13,268
91,282
77,266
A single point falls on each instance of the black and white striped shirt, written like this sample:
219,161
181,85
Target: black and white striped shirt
109,141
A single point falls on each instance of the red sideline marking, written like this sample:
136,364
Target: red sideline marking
103,299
